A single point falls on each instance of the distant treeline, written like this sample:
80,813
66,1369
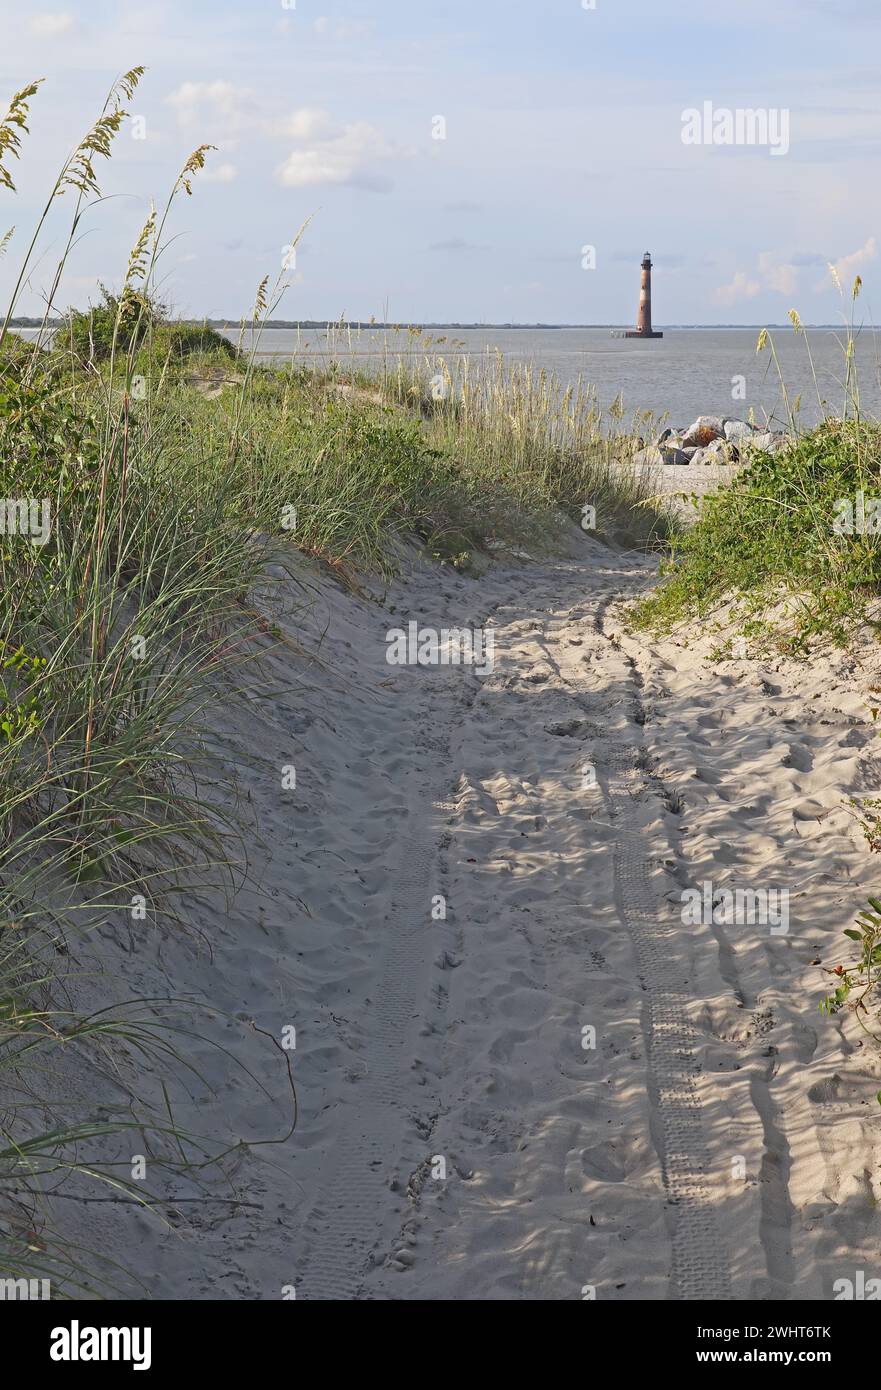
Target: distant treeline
231,324
333,323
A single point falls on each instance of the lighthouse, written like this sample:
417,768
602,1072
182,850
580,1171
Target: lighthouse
644,317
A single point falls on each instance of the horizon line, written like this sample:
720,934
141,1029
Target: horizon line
219,321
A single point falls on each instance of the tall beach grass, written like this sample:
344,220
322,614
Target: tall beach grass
169,466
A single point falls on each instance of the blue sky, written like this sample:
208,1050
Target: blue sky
563,129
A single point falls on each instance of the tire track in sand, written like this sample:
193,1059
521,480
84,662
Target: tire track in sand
700,1265
352,1223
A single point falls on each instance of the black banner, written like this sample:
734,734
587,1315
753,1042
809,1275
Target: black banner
87,1339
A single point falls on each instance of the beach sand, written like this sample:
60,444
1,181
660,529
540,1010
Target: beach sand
556,1090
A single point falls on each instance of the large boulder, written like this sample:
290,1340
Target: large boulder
736,430
705,429
669,439
770,442
653,456
720,451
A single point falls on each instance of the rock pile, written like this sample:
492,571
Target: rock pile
712,439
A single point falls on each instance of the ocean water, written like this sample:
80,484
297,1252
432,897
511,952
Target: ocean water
688,372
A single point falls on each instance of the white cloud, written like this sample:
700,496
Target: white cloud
848,266
51,26
777,275
305,168
335,154
217,110
324,151
741,287
223,173
309,123
771,274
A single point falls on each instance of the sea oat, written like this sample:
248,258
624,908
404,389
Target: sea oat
12,126
195,162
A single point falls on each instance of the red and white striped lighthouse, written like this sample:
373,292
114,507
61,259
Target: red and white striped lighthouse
644,317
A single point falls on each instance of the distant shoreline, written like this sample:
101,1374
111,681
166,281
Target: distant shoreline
290,325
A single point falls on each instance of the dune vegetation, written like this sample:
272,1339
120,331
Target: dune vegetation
802,525
150,469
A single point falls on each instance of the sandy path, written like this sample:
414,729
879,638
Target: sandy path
556,1090
572,1168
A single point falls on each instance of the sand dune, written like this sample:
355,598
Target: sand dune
520,1075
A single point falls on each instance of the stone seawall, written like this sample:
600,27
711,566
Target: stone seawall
693,462
712,439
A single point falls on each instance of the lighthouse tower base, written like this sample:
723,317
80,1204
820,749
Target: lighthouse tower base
635,333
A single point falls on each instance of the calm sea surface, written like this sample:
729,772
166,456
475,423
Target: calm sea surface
688,372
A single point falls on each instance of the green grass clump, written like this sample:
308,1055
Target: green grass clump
358,469
114,627
135,326
171,467
93,334
176,342
772,531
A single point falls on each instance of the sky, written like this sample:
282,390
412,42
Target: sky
463,160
